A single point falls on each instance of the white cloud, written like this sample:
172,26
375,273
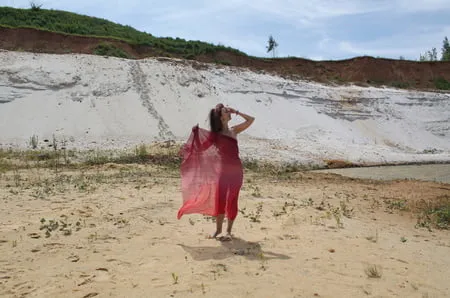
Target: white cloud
407,6
394,46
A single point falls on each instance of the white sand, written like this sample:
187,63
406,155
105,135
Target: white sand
98,102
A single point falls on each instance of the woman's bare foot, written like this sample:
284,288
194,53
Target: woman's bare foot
214,236
227,237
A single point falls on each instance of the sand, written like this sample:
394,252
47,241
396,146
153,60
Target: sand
121,237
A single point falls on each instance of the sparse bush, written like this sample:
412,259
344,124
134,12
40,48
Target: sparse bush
401,85
442,84
34,140
107,49
435,214
223,62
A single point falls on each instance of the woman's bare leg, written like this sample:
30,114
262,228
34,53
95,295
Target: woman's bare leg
219,223
229,227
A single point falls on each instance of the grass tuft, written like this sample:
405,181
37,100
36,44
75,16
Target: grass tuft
373,271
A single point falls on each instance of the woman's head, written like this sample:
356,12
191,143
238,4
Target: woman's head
219,117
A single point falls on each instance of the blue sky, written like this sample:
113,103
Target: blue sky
315,29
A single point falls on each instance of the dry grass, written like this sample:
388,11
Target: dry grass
373,271
73,168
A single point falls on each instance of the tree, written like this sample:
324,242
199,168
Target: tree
272,45
445,50
429,55
432,55
34,6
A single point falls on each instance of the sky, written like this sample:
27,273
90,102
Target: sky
313,29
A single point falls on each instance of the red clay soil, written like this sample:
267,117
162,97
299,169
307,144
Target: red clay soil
361,70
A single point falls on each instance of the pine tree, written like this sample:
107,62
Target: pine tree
272,45
445,50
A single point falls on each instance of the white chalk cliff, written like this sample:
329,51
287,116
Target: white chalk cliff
100,102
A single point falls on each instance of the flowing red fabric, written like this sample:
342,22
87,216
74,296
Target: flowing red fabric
211,174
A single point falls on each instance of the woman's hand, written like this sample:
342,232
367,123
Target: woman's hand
244,125
231,110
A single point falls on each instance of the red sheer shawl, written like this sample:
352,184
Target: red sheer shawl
205,157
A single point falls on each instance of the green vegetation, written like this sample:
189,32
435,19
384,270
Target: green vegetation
442,84
71,23
432,55
435,214
272,45
401,85
107,49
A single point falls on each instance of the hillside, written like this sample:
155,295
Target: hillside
60,32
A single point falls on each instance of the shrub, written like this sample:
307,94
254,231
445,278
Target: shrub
107,49
442,84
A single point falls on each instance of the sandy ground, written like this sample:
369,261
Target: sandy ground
118,236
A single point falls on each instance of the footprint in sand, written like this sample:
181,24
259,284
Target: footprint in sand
73,258
102,274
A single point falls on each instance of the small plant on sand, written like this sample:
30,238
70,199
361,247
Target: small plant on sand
61,225
256,192
263,260
49,227
284,209
346,211
17,177
174,278
141,152
5,165
203,288
435,214
336,212
396,204
307,203
254,217
218,269
373,271
34,141
375,204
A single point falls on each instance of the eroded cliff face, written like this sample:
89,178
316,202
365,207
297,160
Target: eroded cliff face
98,102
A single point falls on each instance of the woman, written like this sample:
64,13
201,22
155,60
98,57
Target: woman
211,170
